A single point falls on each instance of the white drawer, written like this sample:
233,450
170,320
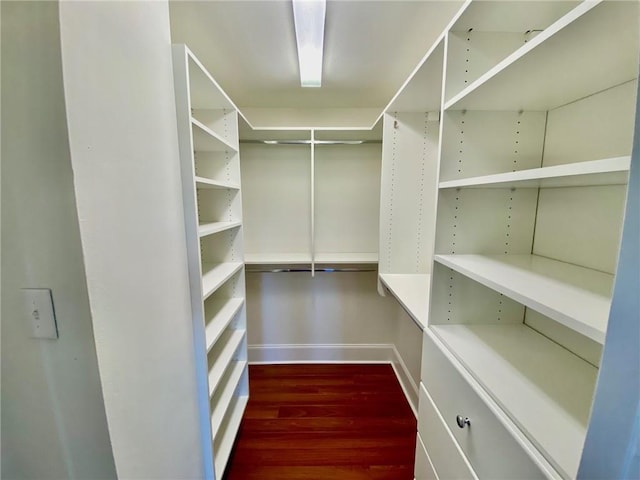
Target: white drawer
446,457
423,469
490,448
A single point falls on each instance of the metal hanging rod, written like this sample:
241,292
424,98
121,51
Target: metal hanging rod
309,142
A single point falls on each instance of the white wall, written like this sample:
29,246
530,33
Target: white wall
340,310
53,417
118,83
293,317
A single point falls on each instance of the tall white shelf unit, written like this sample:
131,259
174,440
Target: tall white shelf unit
311,197
536,107
210,170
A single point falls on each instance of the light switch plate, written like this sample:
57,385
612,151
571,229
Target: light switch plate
39,312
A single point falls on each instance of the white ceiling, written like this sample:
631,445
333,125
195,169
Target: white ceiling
371,46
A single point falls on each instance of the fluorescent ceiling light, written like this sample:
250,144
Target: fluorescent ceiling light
308,18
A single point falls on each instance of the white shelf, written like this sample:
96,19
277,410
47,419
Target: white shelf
206,140
223,401
542,387
277,258
231,341
421,92
610,171
576,297
412,291
346,258
215,274
203,89
205,229
584,52
222,446
202,182
225,309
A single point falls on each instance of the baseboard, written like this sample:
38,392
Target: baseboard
339,353
342,353
409,387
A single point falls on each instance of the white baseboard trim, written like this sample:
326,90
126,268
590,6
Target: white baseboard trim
314,353
339,353
409,387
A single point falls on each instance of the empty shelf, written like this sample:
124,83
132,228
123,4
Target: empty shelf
576,297
203,182
277,258
215,274
610,171
205,229
227,434
219,315
412,291
222,355
222,400
206,140
346,258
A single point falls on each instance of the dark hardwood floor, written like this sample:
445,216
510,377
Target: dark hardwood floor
317,422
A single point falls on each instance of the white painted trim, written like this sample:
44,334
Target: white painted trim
339,353
409,387
314,353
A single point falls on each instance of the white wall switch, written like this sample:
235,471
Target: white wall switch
38,309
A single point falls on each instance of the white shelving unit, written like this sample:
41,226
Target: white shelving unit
409,187
210,170
536,106
299,211
528,78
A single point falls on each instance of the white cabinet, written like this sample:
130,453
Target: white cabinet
210,169
311,197
536,105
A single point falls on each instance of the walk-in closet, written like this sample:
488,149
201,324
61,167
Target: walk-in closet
419,259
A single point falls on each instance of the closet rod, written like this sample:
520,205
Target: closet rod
316,142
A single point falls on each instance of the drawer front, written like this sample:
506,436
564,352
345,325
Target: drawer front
492,451
446,457
423,469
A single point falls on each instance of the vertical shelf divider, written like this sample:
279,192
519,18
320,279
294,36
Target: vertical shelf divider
313,202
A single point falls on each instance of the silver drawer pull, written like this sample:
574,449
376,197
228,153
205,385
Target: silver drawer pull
462,421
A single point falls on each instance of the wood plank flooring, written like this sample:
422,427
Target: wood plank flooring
317,422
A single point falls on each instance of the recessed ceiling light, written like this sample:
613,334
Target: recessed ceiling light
308,18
